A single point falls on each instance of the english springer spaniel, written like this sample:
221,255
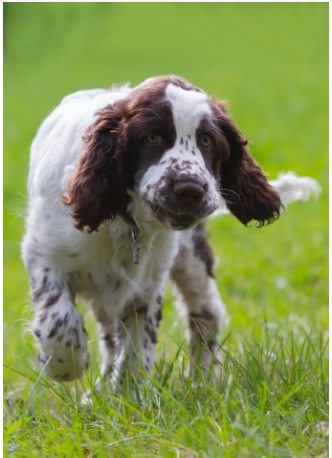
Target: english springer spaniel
120,183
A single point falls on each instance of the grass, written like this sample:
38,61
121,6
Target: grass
267,404
270,61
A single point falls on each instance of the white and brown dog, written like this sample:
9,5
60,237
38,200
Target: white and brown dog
120,183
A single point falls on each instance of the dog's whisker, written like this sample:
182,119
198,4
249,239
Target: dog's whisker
222,190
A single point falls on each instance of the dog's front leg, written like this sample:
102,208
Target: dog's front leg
110,344
57,325
139,336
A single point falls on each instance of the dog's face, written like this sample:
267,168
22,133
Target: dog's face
175,147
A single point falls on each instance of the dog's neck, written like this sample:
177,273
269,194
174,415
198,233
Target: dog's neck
137,215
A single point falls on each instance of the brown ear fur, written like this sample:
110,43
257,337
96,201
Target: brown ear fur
97,188
244,185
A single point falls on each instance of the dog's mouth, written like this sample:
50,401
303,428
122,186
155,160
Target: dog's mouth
176,219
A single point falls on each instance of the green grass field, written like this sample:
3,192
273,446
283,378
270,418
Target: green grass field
271,62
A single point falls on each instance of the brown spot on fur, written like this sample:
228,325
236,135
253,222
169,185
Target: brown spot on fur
110,340
159,316
173,160
43,317
52,333
37,333
202,249
152,333
37,293
52,299
187,164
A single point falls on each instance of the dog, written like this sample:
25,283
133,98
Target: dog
120,184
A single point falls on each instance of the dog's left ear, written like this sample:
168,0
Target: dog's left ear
244,185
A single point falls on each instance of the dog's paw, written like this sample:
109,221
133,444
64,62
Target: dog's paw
62,336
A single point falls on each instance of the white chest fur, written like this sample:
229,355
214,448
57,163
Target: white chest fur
105,266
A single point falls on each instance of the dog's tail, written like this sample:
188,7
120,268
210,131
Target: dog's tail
290,188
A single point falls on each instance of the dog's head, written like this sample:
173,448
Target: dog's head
175,147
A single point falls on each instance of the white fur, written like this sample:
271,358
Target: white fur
63,262
292,188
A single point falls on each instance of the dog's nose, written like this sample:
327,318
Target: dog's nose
188,192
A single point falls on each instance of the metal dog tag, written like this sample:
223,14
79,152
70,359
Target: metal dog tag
136,247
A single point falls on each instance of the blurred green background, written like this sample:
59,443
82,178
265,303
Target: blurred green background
269,60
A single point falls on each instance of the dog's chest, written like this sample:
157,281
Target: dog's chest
106,267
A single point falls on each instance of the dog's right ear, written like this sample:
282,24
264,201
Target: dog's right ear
97,189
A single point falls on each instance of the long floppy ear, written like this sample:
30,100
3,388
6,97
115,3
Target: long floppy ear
244,185
97,188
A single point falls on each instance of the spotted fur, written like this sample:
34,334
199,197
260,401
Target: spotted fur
92,169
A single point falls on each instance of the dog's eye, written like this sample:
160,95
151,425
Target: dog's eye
205,141
153,139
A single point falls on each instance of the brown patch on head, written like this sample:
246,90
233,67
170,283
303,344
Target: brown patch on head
149,111
218,150
163,81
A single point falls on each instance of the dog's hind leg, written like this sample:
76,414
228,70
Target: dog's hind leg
192,274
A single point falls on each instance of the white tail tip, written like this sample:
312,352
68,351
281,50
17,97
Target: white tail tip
289,186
